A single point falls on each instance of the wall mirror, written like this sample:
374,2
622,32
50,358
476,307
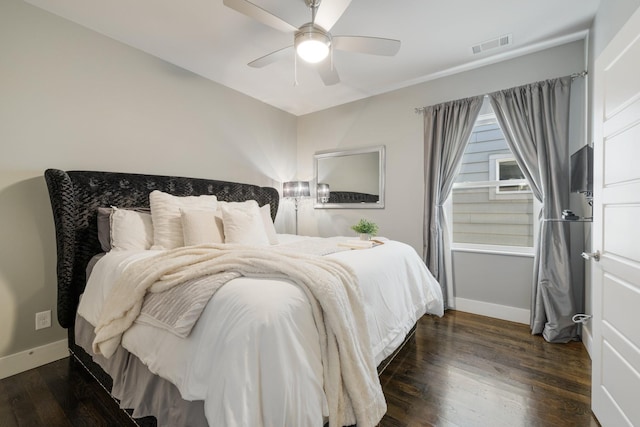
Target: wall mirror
350,179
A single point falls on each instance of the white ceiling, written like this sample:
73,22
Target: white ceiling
216,42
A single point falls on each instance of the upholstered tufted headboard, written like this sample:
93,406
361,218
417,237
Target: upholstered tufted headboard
77,195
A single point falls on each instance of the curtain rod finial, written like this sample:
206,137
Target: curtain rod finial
580,74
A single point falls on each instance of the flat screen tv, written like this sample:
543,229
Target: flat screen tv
582,170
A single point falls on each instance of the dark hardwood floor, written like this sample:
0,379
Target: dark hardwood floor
468,370
460,370
61,393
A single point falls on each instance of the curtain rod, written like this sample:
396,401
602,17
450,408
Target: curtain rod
580,74
420,110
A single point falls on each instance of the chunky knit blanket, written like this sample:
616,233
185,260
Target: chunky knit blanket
351,383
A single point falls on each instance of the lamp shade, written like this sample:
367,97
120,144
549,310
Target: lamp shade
323,193
295,189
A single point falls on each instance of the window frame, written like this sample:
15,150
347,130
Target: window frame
494,174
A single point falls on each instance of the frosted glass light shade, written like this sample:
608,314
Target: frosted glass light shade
312,43
312,51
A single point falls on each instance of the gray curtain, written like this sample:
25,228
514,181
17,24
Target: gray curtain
535,121
447,128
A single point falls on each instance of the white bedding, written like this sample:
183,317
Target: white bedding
254,355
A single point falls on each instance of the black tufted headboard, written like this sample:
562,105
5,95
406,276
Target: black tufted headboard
77,195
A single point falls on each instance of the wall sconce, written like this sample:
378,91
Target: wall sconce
323,193
295,190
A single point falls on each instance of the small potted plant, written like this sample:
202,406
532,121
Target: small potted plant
366,229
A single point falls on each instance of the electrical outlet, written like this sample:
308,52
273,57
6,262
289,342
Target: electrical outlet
43,320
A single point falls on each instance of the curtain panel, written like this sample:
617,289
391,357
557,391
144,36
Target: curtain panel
535,121
447,128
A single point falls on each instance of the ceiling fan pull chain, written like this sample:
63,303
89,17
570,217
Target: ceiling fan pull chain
295,70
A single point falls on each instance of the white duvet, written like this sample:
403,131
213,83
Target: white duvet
254,355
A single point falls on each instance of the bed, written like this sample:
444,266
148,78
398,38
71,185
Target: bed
231,369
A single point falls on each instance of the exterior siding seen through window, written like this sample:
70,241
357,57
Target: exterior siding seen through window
482,215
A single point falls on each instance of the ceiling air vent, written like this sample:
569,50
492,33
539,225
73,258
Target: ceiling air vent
492,44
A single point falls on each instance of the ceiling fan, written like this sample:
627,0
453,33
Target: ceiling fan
312,41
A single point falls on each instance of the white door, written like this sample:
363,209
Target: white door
616,231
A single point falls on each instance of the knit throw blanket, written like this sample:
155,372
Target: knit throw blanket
351,383
178,308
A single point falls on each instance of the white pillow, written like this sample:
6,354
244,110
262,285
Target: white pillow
167,220
272,235
130,230
243,223
201,226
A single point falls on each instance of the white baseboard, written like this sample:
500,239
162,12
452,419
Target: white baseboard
29,359
504,312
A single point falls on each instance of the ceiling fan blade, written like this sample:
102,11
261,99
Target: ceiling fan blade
329,12
328,74
259,14
371,45
272,57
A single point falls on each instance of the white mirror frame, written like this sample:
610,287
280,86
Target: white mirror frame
381,177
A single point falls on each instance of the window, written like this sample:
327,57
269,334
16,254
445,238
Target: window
506,171
491,202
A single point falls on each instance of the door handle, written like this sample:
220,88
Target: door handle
591,255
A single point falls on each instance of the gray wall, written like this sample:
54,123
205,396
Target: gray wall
74,99
476,272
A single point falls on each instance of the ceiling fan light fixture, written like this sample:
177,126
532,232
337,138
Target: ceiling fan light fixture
312,43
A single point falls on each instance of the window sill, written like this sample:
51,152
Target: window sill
494,250
568,220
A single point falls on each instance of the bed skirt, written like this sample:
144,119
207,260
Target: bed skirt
134,386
